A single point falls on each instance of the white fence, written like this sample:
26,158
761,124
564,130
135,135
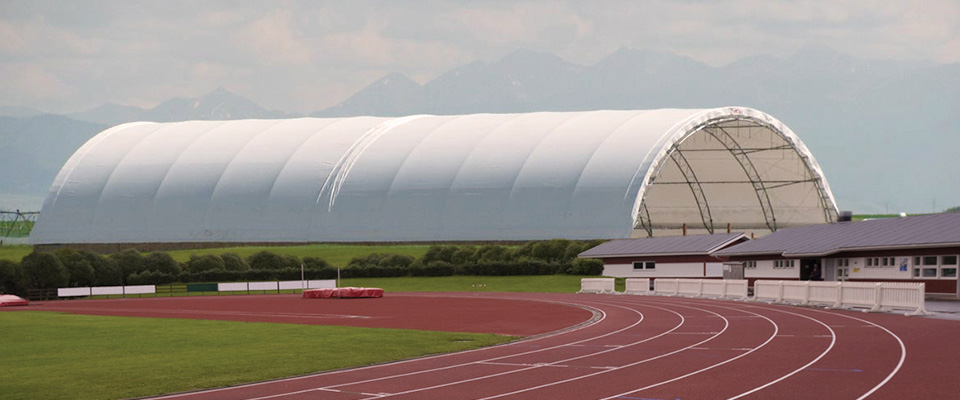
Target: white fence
221,287
106,290
597,285
868,296
637,286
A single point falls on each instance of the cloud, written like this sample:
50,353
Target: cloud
305,55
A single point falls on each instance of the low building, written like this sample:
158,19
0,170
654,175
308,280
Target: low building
923,248
664,257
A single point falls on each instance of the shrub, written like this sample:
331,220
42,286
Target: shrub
395,261
313,263
586,266
105,270
265,260
79,270
162,262
44,271
439,253
492,253
11,278
437,268
129,261
151,278
233,262
291,261
205,263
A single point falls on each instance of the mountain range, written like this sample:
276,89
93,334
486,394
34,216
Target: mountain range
885,132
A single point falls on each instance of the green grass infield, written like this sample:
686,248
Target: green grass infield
51,355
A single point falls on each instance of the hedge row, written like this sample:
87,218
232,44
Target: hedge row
80,268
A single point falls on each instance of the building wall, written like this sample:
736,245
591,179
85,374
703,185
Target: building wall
903,265
665,267
767,269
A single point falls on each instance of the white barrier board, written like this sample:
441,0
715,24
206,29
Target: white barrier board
322,284
71,292
232,287
263,285
102,290
287,285
140,289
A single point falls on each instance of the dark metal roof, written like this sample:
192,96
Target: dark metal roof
670,245
933,230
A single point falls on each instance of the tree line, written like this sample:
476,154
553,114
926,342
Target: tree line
67,267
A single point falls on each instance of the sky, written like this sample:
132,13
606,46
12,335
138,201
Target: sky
304,56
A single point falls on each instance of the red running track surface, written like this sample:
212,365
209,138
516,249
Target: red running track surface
636,348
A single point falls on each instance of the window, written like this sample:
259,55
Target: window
916,261
929,273
644,265
869,262
749,265
948,260
783,264
930,260
916,272
948,273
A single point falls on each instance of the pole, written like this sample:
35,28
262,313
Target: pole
303,286
338,281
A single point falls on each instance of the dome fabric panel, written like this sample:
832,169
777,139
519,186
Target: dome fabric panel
576,175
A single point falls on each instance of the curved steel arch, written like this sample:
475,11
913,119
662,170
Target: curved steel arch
711,126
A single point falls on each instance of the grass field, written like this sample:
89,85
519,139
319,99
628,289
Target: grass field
59,356
14,253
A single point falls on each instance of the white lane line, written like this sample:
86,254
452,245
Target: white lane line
525,353
833,341
903,353
776,328
725,326
578,327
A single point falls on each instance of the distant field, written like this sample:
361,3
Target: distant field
20,229
335,254
123,357
14,253
537,283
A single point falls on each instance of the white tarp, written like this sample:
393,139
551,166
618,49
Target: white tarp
420,178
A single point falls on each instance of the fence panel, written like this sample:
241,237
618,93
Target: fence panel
232,287
689,287
263,285
904,296
106,290
292,285
714,287
860,294
736,288
73,292
668,287
825,293
796,291
637,286
140,289
322,284
767,290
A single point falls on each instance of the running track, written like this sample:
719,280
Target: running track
632,347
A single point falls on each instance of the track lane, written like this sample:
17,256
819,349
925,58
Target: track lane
813,354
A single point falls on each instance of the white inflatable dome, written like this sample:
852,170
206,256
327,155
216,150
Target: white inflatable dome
576,175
